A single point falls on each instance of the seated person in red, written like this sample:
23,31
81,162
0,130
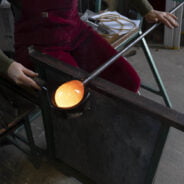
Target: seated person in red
54,27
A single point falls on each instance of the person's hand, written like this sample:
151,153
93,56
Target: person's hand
166,18
22,76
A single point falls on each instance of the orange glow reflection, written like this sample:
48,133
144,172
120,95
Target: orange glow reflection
69,94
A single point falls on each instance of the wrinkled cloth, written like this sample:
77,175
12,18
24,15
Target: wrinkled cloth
54,27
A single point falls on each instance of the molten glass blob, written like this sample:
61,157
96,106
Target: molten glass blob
69,94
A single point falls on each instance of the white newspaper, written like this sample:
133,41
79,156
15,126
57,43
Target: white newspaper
118,23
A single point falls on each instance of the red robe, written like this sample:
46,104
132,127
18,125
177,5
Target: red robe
55,28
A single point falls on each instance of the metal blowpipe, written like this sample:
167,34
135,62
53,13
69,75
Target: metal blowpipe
113,59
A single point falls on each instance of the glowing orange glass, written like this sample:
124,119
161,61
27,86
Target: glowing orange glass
69,94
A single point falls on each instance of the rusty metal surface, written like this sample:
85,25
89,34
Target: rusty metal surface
64,72
116,139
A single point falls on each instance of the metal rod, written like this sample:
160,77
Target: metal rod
98,5
162,90
113,59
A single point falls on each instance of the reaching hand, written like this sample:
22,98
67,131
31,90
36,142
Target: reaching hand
166,18
22,76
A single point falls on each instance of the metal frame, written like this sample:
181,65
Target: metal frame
171,116
98,5
162,90
26,145
149,58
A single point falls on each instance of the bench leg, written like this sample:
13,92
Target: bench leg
162,91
